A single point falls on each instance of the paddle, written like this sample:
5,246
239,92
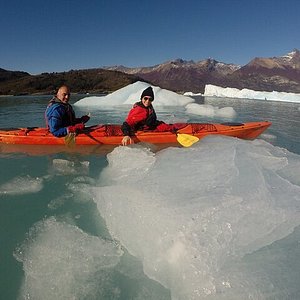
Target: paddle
70,139
186,140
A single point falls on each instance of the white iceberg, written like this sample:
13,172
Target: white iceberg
216,91
194,216
132,93
210,111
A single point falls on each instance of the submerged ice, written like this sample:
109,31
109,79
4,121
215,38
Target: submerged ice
60,261
21,185
194,216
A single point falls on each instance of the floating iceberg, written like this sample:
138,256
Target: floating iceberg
132,93
200,230
213,90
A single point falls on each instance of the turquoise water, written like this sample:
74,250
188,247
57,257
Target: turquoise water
59,239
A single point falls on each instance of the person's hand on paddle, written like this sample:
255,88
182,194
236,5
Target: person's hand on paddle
126,139
85,118
76,128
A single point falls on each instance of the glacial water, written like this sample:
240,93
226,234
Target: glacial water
219,220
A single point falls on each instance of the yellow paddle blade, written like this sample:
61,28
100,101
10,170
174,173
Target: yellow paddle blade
186,140
70,139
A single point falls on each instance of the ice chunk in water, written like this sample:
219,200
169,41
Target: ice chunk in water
67,167
22,185
186,213
62,262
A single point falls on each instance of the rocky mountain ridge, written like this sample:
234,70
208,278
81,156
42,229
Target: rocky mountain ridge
262,74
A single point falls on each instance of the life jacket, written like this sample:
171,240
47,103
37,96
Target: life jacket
67,113
141,117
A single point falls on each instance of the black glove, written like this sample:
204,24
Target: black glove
84,119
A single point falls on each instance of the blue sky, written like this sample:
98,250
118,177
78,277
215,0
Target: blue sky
59,35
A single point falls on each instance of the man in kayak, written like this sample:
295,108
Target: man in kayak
142,116
60,116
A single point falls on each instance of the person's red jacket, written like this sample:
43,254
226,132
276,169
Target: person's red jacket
141,117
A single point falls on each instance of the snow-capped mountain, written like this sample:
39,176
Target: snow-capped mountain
276,73
182,75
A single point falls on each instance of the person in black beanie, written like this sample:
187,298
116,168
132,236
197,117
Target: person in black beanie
148,92
142,116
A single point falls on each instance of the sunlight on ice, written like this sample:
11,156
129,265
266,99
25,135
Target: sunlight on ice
121,171
192,215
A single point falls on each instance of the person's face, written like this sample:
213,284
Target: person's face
63,94
147,101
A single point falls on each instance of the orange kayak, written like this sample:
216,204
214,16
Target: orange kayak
112,134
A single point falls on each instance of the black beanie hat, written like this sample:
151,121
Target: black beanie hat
148,92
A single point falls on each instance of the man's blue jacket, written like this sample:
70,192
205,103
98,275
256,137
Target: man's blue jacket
59,116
